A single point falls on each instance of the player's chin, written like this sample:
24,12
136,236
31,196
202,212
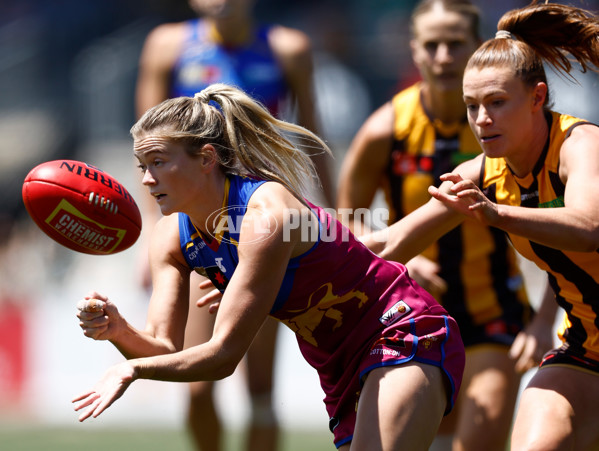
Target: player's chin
492,151
493,145
166,209
448,83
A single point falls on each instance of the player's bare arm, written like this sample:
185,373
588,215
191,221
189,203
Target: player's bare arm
170,279
168,308
572,227
365,163
411,235
159,53
246,303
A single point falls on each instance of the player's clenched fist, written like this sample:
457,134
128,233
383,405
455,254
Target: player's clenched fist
95,312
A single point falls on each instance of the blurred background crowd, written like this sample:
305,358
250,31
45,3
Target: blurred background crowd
67,77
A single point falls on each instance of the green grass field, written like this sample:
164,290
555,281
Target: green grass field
57,439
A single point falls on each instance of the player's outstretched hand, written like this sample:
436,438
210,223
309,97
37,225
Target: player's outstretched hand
98,317
466,198
212,299
426,273
531,344
110,388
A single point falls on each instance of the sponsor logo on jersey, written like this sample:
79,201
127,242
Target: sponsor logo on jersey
389,346
395,313
525,196
427,341
333,423
217,277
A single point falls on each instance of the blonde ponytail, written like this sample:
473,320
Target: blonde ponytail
248,139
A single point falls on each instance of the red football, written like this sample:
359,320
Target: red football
81,207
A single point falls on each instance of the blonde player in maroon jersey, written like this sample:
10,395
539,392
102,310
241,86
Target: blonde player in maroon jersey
389,358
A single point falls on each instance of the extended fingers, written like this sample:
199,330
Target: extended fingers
204,284
524,351
212,297
459,183
98,406
88,399
464,186
92,411
517,346
451,177
213,308
94,402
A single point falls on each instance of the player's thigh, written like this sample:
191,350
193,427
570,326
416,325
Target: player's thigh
489,388
391,413
260,358
487,396
492,382
558,410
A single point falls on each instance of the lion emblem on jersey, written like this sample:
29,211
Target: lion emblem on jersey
308,319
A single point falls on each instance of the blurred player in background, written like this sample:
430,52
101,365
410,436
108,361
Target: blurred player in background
403,148
273,64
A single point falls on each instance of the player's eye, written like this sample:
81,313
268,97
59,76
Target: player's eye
453,45
431,46
142,168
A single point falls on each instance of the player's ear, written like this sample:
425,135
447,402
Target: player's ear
208,157
539,95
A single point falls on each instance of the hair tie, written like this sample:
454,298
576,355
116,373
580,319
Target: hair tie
202,96
504,34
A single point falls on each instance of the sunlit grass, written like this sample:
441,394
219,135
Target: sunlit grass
22,438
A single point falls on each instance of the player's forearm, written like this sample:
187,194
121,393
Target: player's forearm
133,343
411,235
199,363
559,228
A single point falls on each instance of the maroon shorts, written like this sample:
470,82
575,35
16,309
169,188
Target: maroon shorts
430,339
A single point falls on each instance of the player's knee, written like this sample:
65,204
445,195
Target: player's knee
262,411
259,384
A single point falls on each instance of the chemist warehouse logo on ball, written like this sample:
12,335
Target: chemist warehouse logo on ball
69,222
227,224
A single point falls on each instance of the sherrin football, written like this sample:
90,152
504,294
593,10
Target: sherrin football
81,207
